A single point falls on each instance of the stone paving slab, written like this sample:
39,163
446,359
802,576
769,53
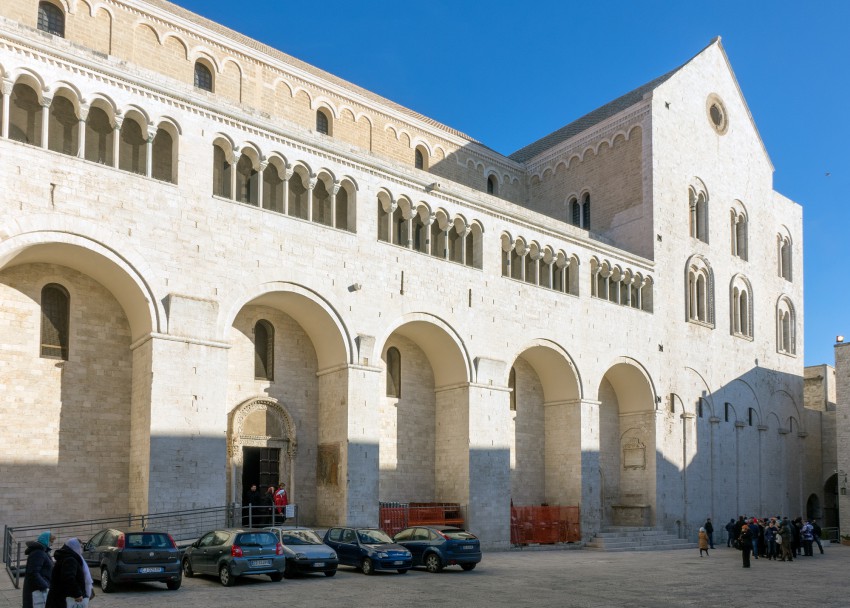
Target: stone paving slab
581,579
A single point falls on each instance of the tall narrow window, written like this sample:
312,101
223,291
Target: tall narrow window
727,411
393,373
786,330
51,19
585,212
322,123
698,214
221,172
751,416
55,318
512,387
785,257
700,294
264,350
575,213
203,77
419,159
492,185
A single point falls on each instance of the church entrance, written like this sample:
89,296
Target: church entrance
260,466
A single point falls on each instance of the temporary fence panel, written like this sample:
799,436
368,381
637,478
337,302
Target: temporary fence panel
545,525
396,516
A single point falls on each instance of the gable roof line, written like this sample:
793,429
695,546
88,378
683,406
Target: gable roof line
597,116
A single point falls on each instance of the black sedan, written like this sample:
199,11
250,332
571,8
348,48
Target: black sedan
234,552
369,549
437,547
122,556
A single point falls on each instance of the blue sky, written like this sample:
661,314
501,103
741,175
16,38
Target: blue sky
477,66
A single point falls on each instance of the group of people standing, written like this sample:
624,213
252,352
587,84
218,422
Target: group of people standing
264,508
775,538
57,581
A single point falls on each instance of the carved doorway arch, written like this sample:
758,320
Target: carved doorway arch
260,422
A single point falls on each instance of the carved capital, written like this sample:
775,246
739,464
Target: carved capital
152,131
337,185
7,86
311,183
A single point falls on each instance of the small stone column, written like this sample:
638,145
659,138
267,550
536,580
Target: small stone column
149,150
81,137
45,120
334,191
7,87
116,141
261,169
287,174
310,185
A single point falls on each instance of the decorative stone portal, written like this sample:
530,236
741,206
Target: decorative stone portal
260,436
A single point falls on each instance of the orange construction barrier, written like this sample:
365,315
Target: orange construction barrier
395,517
545,525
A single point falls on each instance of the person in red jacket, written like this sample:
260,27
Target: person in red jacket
281,500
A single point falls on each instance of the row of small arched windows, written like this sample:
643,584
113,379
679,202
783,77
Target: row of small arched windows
542,266
622,287
93,133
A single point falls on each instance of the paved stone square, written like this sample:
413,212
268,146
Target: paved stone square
529,578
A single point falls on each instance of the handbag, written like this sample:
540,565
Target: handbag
72,603
736,544
778,539
38,599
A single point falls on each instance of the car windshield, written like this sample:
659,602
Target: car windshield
148,540
373,537
459,534
300,537
257,539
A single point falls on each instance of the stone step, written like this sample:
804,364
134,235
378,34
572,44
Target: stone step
636,538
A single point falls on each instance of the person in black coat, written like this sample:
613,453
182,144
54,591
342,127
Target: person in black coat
39,567
746,540
69,576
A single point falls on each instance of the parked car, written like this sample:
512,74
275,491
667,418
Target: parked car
436,547
234,552
369,549
305,552
117,556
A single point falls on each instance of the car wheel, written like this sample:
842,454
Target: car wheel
187,568
276,577
106,581
433,563
226,576
330,573
367,566
468,567
402,571
289,570
174,585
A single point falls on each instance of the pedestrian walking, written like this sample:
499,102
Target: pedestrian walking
807,536
746,540
709,530
730,529
71,583
703,542
39,570
816,534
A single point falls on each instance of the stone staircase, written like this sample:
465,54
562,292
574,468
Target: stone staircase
626,538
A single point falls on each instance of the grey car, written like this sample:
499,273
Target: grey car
233,552
305,551
117,556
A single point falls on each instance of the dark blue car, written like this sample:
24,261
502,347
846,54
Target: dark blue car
369,549
438,547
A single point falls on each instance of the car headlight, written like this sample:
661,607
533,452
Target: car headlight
300,556
382,554
408,554
333,555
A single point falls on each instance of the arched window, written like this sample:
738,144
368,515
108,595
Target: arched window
786,327
585,212
741,307
399,227
419,159
51,19
63,127
698,214
203,77
420,234
727,411
393,373
739,234
512,387
25,115
132,153
272,188
297,196
343,222
264,350
700,295
221,172
383,223
784,256
492,185
99,134
55,320
575,213
246,181
323,122
751,415
164,167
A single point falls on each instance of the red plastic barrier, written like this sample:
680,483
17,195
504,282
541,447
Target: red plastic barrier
394,519
545,525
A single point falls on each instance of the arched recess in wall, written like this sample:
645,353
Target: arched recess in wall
545,454
124,278
322,322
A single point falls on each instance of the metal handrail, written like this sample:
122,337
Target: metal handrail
184,526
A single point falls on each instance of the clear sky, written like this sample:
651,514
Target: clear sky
479,66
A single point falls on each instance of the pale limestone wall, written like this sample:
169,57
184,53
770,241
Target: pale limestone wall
528,438
842,430
185,266
72,429
407,429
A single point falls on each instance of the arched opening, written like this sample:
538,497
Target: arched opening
25,115
99,134
247,178
272,188
297,196
63,127
132,155
627,445
203,77
51,19
164,154
830,502
323,122
813,509
222,169
322,204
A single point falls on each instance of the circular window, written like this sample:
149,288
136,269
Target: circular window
717,114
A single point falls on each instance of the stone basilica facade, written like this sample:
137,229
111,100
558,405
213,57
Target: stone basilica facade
220,265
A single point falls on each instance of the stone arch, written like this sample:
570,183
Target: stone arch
122,276
320,320
261,422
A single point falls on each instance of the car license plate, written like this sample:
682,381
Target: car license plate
466,548
259,563
150,570
319,565
398,562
